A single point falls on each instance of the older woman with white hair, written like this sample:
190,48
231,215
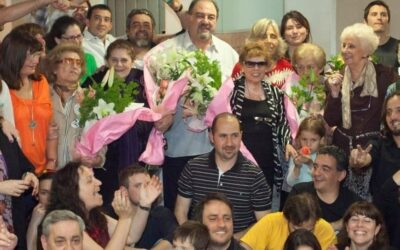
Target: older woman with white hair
267,31
356,98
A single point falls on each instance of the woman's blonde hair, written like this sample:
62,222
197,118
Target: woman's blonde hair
259,32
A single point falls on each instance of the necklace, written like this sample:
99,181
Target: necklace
32,124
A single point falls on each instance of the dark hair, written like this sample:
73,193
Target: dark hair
373,3
220,116
254,49
48,175
97,7
199,209
194,2
298,17
195,232
64,194
120,44
124,174
14,50
58,29
53,59
135,12
366,209
314,124
342,161
301,237
384,111
301,208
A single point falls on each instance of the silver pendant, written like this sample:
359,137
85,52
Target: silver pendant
32,124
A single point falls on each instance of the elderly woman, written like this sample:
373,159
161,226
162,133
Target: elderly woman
65,65
295,29
30,96
356,98
127,149
307,59
259,107
82,197
267,31
67,30
363,228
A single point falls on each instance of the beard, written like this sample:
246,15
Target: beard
141,42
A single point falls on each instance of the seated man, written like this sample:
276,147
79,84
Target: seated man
328,174
191,235
216,212
300,211
62,229
227,171
161,223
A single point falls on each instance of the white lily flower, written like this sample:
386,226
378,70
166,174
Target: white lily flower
104,109
133,106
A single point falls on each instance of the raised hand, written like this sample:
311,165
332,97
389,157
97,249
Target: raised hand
290,151
335,83
8,241
33,181
360,157
150,192
121,204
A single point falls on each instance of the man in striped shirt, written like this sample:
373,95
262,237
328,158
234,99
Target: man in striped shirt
225,170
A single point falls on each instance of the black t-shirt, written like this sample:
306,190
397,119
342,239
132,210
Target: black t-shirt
330,212
161,224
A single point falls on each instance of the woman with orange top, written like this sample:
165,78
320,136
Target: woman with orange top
30,96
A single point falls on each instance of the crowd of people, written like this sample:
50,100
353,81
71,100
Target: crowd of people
324,135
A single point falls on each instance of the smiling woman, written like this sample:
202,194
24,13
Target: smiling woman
363,228
127,149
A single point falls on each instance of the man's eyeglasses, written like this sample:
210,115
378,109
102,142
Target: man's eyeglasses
70,38
71,61
252,64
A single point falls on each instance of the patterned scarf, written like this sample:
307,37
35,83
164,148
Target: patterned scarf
367,80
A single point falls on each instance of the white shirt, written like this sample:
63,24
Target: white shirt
182,141
95,46
6,107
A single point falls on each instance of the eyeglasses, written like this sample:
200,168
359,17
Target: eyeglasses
251,64
71,61
70,38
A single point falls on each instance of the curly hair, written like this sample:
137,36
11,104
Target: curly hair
364,34
64,194
366,209
53,59
254,49
312,51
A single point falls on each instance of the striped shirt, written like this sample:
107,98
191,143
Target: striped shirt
244,185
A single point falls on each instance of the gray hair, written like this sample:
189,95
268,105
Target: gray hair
365,34
60,215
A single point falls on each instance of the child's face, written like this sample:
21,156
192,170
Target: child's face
309,139
44,191
182,245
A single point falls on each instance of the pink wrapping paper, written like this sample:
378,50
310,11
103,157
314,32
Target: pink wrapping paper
221,104
290,109
154,152
110,128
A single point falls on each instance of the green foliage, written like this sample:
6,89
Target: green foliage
309,86
336,62
120,93
204,64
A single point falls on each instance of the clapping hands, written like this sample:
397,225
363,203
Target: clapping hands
150,192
